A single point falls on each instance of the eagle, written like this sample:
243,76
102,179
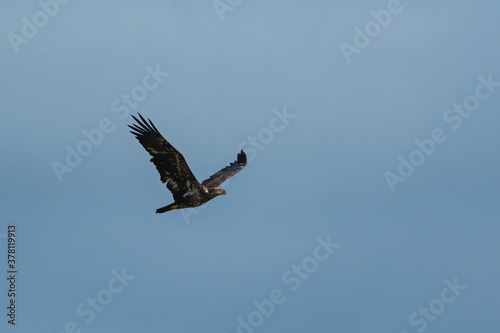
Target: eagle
175,172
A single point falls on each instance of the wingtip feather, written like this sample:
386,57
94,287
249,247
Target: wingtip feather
242,157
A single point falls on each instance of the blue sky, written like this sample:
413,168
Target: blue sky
370,201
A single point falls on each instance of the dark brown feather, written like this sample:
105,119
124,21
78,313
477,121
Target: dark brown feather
169,161
229,171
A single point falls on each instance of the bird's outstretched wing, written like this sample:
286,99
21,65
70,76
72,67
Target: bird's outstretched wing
169,161
229,171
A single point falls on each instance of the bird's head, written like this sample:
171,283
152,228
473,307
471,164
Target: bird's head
213,192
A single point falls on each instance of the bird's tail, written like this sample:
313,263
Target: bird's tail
172,206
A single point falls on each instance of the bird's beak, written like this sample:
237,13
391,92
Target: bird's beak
222,192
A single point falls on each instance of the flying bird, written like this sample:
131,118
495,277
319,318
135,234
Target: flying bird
175,172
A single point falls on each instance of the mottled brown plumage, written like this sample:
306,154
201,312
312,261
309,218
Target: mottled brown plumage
175,172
